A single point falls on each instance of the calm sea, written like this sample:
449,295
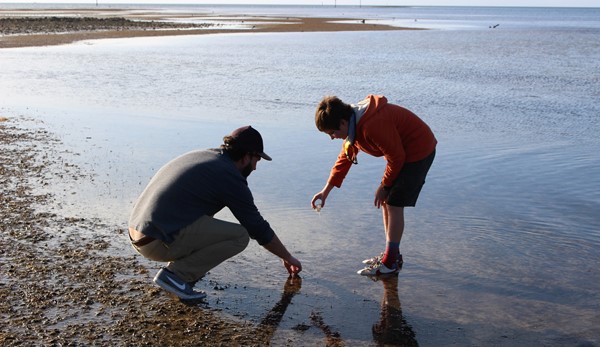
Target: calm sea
503,247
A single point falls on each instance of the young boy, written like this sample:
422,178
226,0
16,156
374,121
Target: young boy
379,128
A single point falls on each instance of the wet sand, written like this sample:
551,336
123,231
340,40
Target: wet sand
74,280
25,28
64,285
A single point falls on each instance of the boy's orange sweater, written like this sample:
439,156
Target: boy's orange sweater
390,131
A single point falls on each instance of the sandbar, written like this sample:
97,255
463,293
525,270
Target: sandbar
27,28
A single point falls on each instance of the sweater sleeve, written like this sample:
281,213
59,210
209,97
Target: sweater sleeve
340,169
240,202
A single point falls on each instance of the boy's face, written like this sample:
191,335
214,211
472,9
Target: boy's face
340,133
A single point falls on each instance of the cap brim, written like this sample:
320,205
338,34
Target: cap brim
265,156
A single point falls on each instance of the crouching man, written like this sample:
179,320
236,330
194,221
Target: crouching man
172,220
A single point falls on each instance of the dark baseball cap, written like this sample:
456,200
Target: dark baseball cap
249,140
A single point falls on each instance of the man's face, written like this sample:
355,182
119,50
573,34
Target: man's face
251,166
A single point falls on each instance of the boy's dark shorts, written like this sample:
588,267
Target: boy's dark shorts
406,188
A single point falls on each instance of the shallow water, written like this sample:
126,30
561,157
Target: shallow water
504,244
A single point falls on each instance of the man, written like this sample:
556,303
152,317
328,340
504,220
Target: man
379,128
172,221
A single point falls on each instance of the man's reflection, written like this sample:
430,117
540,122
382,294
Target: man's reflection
392,329
273,318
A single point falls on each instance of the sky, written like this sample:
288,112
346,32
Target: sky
533,3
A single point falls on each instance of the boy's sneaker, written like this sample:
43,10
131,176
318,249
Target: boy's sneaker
379,269
377,259
172,283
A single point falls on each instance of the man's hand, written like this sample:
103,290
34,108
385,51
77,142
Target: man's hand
292,265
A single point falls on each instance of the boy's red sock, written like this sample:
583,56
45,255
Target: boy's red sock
391,255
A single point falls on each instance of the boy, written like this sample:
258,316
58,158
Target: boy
379,128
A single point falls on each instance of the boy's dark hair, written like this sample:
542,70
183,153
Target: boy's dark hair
231,147
330,111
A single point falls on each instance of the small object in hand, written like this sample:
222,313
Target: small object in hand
318,208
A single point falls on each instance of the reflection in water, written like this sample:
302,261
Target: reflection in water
332,338
271,321
392,329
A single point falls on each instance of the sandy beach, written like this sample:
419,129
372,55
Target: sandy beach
47,294
25,28
500,251
62,286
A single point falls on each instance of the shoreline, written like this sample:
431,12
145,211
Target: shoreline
34,28
62,285
118,108
73,280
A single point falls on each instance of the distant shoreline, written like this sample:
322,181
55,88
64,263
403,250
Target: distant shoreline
49,27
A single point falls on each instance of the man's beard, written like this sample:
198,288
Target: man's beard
247,170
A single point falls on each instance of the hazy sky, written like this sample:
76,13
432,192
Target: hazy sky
545,3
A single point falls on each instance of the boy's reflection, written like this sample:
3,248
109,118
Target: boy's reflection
392,329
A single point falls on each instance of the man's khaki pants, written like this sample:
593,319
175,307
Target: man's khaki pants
198,247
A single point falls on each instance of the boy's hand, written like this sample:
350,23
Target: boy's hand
322,195
381,196
318,197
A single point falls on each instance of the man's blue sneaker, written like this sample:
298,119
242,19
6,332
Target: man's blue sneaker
172,283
